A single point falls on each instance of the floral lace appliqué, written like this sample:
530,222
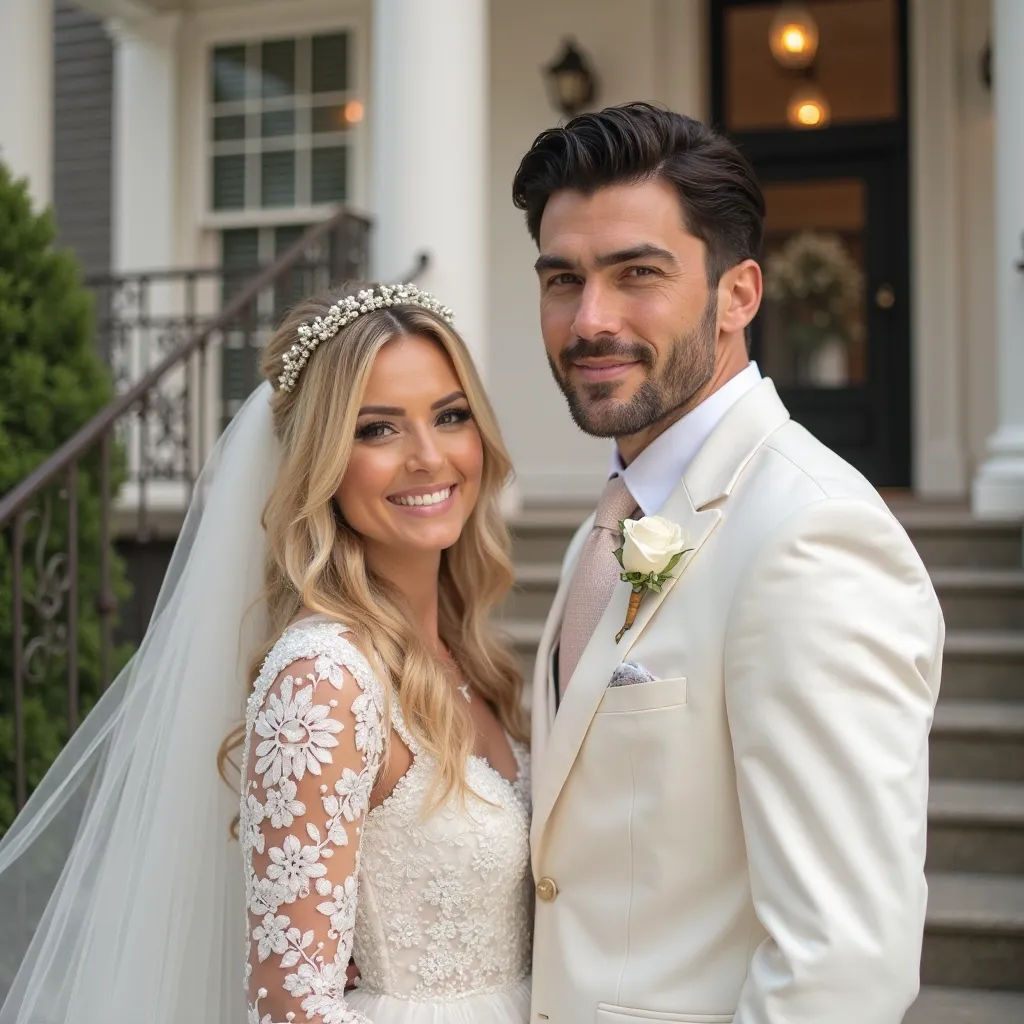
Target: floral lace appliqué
431,906
293,725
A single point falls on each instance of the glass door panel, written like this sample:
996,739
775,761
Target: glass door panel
813,317
856,65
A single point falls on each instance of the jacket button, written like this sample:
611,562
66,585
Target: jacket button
547,890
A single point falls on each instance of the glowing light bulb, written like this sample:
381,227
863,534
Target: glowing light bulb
809,114
793,37
808,107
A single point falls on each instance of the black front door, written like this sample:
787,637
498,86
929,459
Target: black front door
829,144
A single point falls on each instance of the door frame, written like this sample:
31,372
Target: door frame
849,145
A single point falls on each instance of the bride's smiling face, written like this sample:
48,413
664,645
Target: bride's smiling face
414,475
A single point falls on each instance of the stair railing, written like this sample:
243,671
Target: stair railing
45,620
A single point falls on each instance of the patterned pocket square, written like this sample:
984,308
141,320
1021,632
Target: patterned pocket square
629,674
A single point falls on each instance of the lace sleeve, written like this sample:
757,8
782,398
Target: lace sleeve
313,749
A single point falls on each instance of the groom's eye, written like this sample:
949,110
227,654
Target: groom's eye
563,279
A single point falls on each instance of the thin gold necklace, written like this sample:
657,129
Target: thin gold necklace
462,687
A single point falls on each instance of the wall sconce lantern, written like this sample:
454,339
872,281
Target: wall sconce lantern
793,37
571,82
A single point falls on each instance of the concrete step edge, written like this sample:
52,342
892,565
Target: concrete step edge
988,904
979,718
952,578
923,517
543,520
990,643
961,643
940,1005
973,579
976,802
522,631
919,517
533,574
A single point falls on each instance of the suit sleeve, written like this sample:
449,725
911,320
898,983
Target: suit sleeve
832,663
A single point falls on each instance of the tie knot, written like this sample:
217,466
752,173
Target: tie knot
616,503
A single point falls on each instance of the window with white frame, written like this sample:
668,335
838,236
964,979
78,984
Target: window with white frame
280,123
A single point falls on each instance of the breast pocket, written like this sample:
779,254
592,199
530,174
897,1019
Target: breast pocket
658,693
608,1014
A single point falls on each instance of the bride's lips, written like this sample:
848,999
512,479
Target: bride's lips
425,502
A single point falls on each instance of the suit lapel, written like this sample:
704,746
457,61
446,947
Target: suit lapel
543,703
708,480
598,661
542,711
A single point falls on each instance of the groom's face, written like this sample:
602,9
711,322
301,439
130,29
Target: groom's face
628,319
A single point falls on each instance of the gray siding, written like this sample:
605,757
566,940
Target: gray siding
82,127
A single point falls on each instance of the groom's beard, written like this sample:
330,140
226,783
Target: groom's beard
688,368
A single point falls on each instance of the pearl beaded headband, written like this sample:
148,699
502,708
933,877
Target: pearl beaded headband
344,312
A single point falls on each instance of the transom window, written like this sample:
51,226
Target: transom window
280,123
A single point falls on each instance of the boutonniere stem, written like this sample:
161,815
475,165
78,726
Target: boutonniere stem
651,548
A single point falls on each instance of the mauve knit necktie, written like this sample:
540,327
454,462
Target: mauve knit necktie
595,577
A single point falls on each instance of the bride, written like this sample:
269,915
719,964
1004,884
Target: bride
346,529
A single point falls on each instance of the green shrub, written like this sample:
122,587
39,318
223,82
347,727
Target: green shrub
52,382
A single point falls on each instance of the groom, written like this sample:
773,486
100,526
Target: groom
729,802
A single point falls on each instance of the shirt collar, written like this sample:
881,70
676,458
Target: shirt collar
653,474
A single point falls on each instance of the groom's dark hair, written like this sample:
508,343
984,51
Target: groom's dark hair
721,200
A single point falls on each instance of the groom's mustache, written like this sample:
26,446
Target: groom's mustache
602,348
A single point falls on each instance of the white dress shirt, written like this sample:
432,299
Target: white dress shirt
654,473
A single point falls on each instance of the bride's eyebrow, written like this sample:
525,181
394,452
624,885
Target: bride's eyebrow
448,399
381,410
394,410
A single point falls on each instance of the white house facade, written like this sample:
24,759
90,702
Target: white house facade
235,122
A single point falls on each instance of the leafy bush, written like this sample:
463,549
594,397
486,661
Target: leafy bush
52,382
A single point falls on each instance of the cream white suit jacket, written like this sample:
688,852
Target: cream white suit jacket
742,839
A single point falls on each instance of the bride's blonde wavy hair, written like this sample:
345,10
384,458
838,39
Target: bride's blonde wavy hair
315,561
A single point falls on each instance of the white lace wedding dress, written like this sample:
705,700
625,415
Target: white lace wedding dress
434,909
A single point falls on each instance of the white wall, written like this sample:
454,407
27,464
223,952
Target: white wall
26,84
656,50
653,51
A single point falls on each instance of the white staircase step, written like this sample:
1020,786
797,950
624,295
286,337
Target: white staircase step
523,632
936,1005
537,574
981,802
975,578
980,717
549,517
976,903
925,515
980,643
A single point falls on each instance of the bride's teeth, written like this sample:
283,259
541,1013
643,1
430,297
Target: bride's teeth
425,499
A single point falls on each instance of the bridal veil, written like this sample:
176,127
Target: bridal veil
121,887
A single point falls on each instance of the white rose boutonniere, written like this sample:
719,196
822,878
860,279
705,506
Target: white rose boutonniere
651,548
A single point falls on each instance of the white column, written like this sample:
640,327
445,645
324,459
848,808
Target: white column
999,484
145,203
430,152
26,84
940,471
145,133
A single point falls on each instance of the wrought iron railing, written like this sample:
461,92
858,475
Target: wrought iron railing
184,346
